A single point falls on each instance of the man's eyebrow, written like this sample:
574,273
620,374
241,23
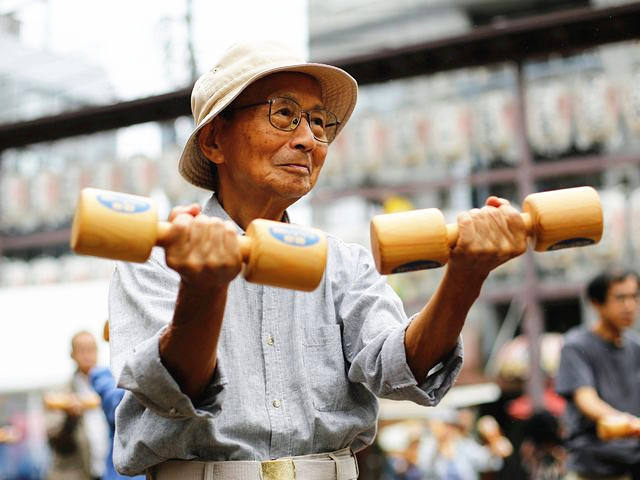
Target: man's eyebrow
291,96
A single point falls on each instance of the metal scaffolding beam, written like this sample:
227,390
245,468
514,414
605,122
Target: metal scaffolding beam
561,32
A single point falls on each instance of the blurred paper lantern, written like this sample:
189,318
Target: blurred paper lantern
634,219
14,273
596,112
46,197
549,120
373,143
631,103
451,132
494,127
14,201
514,361
612,246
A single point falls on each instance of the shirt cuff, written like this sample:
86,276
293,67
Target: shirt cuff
147,378
402,384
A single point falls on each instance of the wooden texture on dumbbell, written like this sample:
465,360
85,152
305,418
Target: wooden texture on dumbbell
126,227
420,239
63,400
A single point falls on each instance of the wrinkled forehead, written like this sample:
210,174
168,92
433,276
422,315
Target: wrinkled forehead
292,84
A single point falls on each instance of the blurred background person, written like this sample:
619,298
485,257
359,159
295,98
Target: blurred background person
451,452
78,433
598,375
104,384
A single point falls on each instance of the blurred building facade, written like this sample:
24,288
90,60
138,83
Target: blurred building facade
445,140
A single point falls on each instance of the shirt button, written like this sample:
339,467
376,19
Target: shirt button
270,340
276,403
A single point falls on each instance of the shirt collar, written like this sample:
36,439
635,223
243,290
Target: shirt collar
213,209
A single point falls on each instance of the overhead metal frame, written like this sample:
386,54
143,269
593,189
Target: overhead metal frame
562,32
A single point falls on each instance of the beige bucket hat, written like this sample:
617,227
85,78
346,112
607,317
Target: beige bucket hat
241,65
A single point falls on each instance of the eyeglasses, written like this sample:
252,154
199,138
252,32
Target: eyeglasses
286,114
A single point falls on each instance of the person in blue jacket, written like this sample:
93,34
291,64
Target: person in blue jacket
104,384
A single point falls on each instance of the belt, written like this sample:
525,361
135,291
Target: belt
339,465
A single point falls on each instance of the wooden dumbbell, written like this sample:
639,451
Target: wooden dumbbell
618,426
9,435
490,430
63,400
420,239
126,227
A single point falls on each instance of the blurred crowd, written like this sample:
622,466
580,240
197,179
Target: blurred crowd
65,433
586,424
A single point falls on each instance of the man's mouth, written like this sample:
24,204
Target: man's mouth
297,167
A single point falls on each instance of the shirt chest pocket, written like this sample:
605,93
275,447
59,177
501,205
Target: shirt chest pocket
326,370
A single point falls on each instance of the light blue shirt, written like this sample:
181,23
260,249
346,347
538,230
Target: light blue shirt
297,372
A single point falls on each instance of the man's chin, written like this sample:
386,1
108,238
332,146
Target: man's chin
296,190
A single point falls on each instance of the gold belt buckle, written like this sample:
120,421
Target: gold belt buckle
278,470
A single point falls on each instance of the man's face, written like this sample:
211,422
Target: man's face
257,157
621,304
85,352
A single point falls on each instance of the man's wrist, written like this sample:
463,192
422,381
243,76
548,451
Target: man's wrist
200,291
466,279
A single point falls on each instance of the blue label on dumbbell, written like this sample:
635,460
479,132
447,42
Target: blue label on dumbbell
294,236
123,203
416,265
571,242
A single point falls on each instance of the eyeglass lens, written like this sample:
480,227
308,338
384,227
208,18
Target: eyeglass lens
285,114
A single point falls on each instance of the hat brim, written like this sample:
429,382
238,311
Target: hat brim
339,95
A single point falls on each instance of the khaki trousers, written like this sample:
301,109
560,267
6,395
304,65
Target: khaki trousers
339,465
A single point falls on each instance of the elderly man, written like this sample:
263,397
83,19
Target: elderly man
78,436
229,379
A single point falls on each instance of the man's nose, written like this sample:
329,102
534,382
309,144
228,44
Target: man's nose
303,136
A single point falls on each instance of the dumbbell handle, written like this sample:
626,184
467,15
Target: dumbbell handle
453,232
244,241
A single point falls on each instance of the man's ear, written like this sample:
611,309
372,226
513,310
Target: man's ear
207,141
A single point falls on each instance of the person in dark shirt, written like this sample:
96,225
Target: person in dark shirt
599,375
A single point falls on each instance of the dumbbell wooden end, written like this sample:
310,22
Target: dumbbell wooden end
285,255
566,218
408,241
105,223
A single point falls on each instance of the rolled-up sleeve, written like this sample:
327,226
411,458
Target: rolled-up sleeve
146,377
141,304
374,324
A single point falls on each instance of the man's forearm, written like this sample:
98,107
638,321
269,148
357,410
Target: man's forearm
591,405
434,332
188,347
